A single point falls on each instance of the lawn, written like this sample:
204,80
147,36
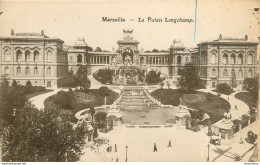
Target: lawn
82,100
246,97
216,107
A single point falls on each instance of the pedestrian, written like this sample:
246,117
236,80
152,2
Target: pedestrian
110,148
117,159
154,148
115,148
236,107
170,144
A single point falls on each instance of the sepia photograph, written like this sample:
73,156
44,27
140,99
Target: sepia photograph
129,81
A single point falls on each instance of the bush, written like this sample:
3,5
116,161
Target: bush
153,77
224,88
63,100
68,81
28,87
103,91
104,76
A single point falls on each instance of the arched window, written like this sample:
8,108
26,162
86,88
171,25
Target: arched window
213,58
6,70
233,59
225,73
18,70
79,58
27,70
49,56
179,60
142,60
36,71
7,55
19,56
27,55
225,59
250,73
35,56
250,59
213,72
240,59
240,74
49,71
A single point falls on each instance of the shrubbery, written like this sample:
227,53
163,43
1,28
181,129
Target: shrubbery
104,76
153,77
224,88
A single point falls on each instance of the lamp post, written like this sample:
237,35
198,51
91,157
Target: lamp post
208,153
126,147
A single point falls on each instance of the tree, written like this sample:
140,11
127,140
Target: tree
104,91
252,86
43,136
153,77
28,87
63,100
155,50
224,88
189,79
14,83
11,98
233,80
92,112
82,77
100,119
104,75
90,49
98,49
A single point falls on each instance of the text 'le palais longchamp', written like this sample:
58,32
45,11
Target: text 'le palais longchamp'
147,19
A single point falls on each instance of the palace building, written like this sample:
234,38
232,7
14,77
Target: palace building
219,58
44,60
34,57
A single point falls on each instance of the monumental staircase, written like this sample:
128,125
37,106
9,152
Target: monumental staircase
136,98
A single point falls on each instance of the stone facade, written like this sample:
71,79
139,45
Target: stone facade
34,57
217,59
44,60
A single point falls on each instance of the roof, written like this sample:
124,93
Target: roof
229,41
30,36
226,124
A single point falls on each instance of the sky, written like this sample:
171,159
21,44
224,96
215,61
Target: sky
69,20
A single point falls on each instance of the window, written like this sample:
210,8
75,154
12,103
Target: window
18,70
6,70
49,55
27,55
213,59
179,60
27,70
142,60
36,56
213,72
19,56
250,59
225,73
79,58
233,59
7,55
49,71
240,73
35,71
240,59
225,59
250,73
